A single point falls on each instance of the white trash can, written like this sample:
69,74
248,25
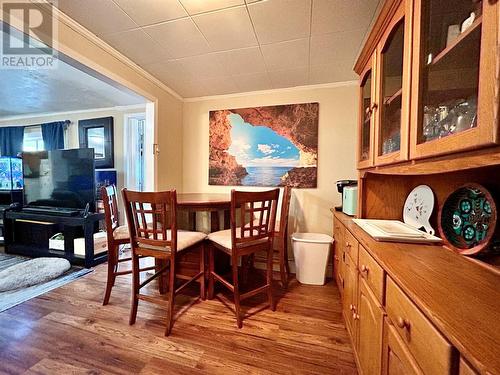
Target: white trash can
311,251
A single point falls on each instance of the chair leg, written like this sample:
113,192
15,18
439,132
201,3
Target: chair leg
283,266
285,256
203,295
162,279
135,288
112,263
239,321
171,297
211,270
269,276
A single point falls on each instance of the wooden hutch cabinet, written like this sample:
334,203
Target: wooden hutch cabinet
429,81
429,108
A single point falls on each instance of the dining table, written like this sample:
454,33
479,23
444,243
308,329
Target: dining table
213,203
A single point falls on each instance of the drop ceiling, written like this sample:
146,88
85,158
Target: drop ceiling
213,47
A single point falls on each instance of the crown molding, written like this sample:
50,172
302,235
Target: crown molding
121,108
273,91
82,30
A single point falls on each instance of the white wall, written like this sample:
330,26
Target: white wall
310,208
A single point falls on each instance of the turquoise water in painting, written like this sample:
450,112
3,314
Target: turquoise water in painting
264,176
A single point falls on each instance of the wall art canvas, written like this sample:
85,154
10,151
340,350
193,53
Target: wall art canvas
264,146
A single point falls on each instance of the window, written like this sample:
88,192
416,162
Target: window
33,140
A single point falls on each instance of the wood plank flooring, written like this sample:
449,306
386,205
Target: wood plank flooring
68,331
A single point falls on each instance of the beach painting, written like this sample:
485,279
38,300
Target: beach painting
264,146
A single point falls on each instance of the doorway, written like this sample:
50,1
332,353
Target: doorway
135,134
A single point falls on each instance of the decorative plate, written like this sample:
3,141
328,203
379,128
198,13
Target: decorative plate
418,208
468,219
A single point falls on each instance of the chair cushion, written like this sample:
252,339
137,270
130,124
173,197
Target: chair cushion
223,238
121,233
185,239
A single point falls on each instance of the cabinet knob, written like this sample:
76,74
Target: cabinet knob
374,106
355,316
347,244
403,323
351,307
336,257
364,269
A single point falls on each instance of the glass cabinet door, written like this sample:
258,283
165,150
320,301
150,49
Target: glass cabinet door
367,110
452,59
393,72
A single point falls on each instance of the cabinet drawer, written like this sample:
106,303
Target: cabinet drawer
372,273
430,349
351,246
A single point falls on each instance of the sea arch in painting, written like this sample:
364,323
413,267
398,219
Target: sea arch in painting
298,123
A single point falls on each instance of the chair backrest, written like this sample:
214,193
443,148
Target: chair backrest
285,209
110,203
261,208
151,218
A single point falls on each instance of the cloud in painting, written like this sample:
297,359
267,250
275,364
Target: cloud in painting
265,149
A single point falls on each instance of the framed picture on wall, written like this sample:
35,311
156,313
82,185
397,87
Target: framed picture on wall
97,133
264,146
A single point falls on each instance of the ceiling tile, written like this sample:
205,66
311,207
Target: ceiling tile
286,55
137,46
252,82
227,29
96,15
218,86
243,61
280,20
189,89
289,78
147,12
328,48
204,66
340,15
338,72
170,71
201,6
181,37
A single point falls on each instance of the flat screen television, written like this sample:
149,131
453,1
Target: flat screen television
59,178
11,173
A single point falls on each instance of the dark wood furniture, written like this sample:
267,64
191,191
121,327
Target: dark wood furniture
256,235
117,236
7,197
69,225
420,308
160,240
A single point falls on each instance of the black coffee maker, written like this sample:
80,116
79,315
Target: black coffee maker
341,184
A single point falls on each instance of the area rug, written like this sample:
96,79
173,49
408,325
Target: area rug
15,297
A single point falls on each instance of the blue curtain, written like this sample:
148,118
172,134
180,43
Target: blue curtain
11,140
53,135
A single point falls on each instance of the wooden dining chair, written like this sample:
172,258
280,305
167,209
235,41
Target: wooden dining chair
281,236
280,243
117,237
257,235
160,239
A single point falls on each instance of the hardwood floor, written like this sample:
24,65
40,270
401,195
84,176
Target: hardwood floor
68,331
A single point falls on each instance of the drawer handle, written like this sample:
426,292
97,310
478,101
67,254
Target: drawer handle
403,323
364,269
